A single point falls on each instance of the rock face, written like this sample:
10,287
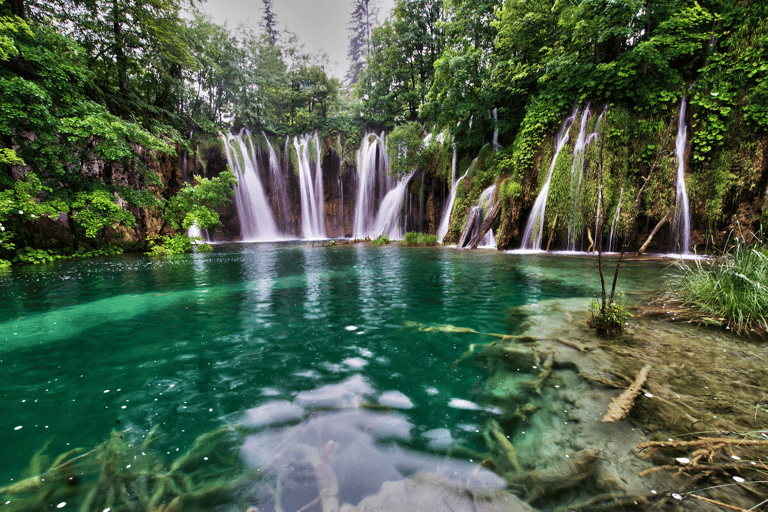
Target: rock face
429,492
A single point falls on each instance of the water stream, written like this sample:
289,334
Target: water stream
254,212
534,228
682,219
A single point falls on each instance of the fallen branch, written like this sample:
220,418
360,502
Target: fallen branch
573,344
650,237
621,405
718,503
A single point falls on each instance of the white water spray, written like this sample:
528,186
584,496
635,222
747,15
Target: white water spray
253,210
612,241
535,226
311,187
389,220
374,181
446,219
682,224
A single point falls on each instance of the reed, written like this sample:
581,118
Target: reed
732,290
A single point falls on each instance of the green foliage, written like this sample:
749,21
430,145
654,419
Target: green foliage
97,210
510,189
129,472
381,240
729,291
195,205
406,148
609,318
35,256
419,239
166,245
88,252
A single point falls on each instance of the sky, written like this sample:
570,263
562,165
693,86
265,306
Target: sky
321,25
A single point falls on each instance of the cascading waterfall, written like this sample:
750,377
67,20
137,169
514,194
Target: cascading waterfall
374,182
577,171
475,220
256,219
389,220
496,129
612,241
445,221
311,188
535,225
279,188
682,224
486,203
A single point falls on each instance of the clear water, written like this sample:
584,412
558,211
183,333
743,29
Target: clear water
250,333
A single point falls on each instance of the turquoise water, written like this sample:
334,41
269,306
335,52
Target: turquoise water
258,334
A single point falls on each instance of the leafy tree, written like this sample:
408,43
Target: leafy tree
69,144
401,62
462,82
193,205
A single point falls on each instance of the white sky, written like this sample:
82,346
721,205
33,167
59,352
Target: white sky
321,25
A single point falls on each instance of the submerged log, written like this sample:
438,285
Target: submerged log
566,474
621,405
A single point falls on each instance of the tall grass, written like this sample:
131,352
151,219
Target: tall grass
732,290
413,238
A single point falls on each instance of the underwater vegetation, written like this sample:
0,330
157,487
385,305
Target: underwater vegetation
126,473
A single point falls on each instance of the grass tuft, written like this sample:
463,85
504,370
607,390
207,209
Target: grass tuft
733,290
422,239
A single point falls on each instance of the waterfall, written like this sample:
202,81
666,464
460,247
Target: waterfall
445,221
475,221
535,226
577,171
390,216
615,225
279,189
311,188
453,167
253,210
682,222
496,129
374,182
486,203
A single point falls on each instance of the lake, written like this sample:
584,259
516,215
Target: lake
286,341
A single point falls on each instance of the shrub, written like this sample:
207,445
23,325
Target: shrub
381,240
611,318
423,239
178,244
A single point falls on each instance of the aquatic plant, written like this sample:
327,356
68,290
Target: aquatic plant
731,290
125,473
424,239
381,240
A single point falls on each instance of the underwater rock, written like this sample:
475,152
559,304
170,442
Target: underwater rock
430,492
273,413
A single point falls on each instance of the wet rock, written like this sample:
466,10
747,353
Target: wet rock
430,492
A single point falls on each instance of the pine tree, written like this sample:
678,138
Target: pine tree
268,22
360,25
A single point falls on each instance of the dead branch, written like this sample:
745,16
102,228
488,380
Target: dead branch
621,406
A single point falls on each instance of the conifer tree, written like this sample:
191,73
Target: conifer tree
360,25
268,22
